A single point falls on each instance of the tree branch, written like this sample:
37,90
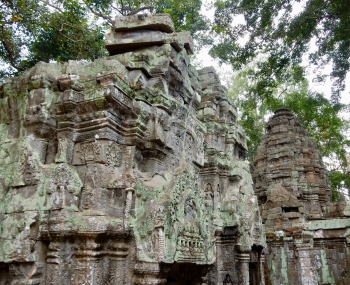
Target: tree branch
99,14
70,39
55,7
10,55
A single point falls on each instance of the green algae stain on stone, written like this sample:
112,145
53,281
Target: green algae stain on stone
126,160
327,275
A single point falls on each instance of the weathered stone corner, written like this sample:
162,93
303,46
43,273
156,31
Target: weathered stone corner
126,170
307,236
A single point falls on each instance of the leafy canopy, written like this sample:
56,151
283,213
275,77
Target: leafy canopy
32,31
61,30
284,30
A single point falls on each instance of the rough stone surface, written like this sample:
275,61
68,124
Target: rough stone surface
126,170
139,31
155,22
308,237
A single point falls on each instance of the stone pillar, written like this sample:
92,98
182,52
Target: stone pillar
52,266
314,208
160,243
159,226
117,270
129,192
243,259
95,270
262,271
150,273
306,269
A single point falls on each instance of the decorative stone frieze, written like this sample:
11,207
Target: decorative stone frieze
126,170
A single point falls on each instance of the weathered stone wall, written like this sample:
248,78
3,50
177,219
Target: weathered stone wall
308,237
126,170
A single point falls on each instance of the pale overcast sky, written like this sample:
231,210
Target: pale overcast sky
224,70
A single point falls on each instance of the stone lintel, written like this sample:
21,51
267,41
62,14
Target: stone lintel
328,224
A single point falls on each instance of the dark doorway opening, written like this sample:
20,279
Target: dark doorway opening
186,274
254,274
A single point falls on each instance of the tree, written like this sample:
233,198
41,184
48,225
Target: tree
61,30
186,15
33,31
245,28
317,115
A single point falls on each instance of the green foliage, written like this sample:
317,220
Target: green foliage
33,31
68,36
245,28
317,115
107,8
185,14
62,30
338,181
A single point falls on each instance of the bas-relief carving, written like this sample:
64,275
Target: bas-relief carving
209,197
130,174
29,168
227,280
99,151
63,188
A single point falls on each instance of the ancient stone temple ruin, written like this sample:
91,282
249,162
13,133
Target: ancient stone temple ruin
130,170
307,236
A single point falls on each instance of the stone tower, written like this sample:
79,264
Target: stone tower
126,170
308,237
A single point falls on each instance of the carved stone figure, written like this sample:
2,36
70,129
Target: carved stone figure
227,280
122,170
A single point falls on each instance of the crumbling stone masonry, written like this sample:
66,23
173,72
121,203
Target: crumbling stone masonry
126,170
308,237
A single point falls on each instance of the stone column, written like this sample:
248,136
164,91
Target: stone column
117,270
160,242
159,226
262,272
315,210
307,274
129,192
243,259
150,273
52,265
